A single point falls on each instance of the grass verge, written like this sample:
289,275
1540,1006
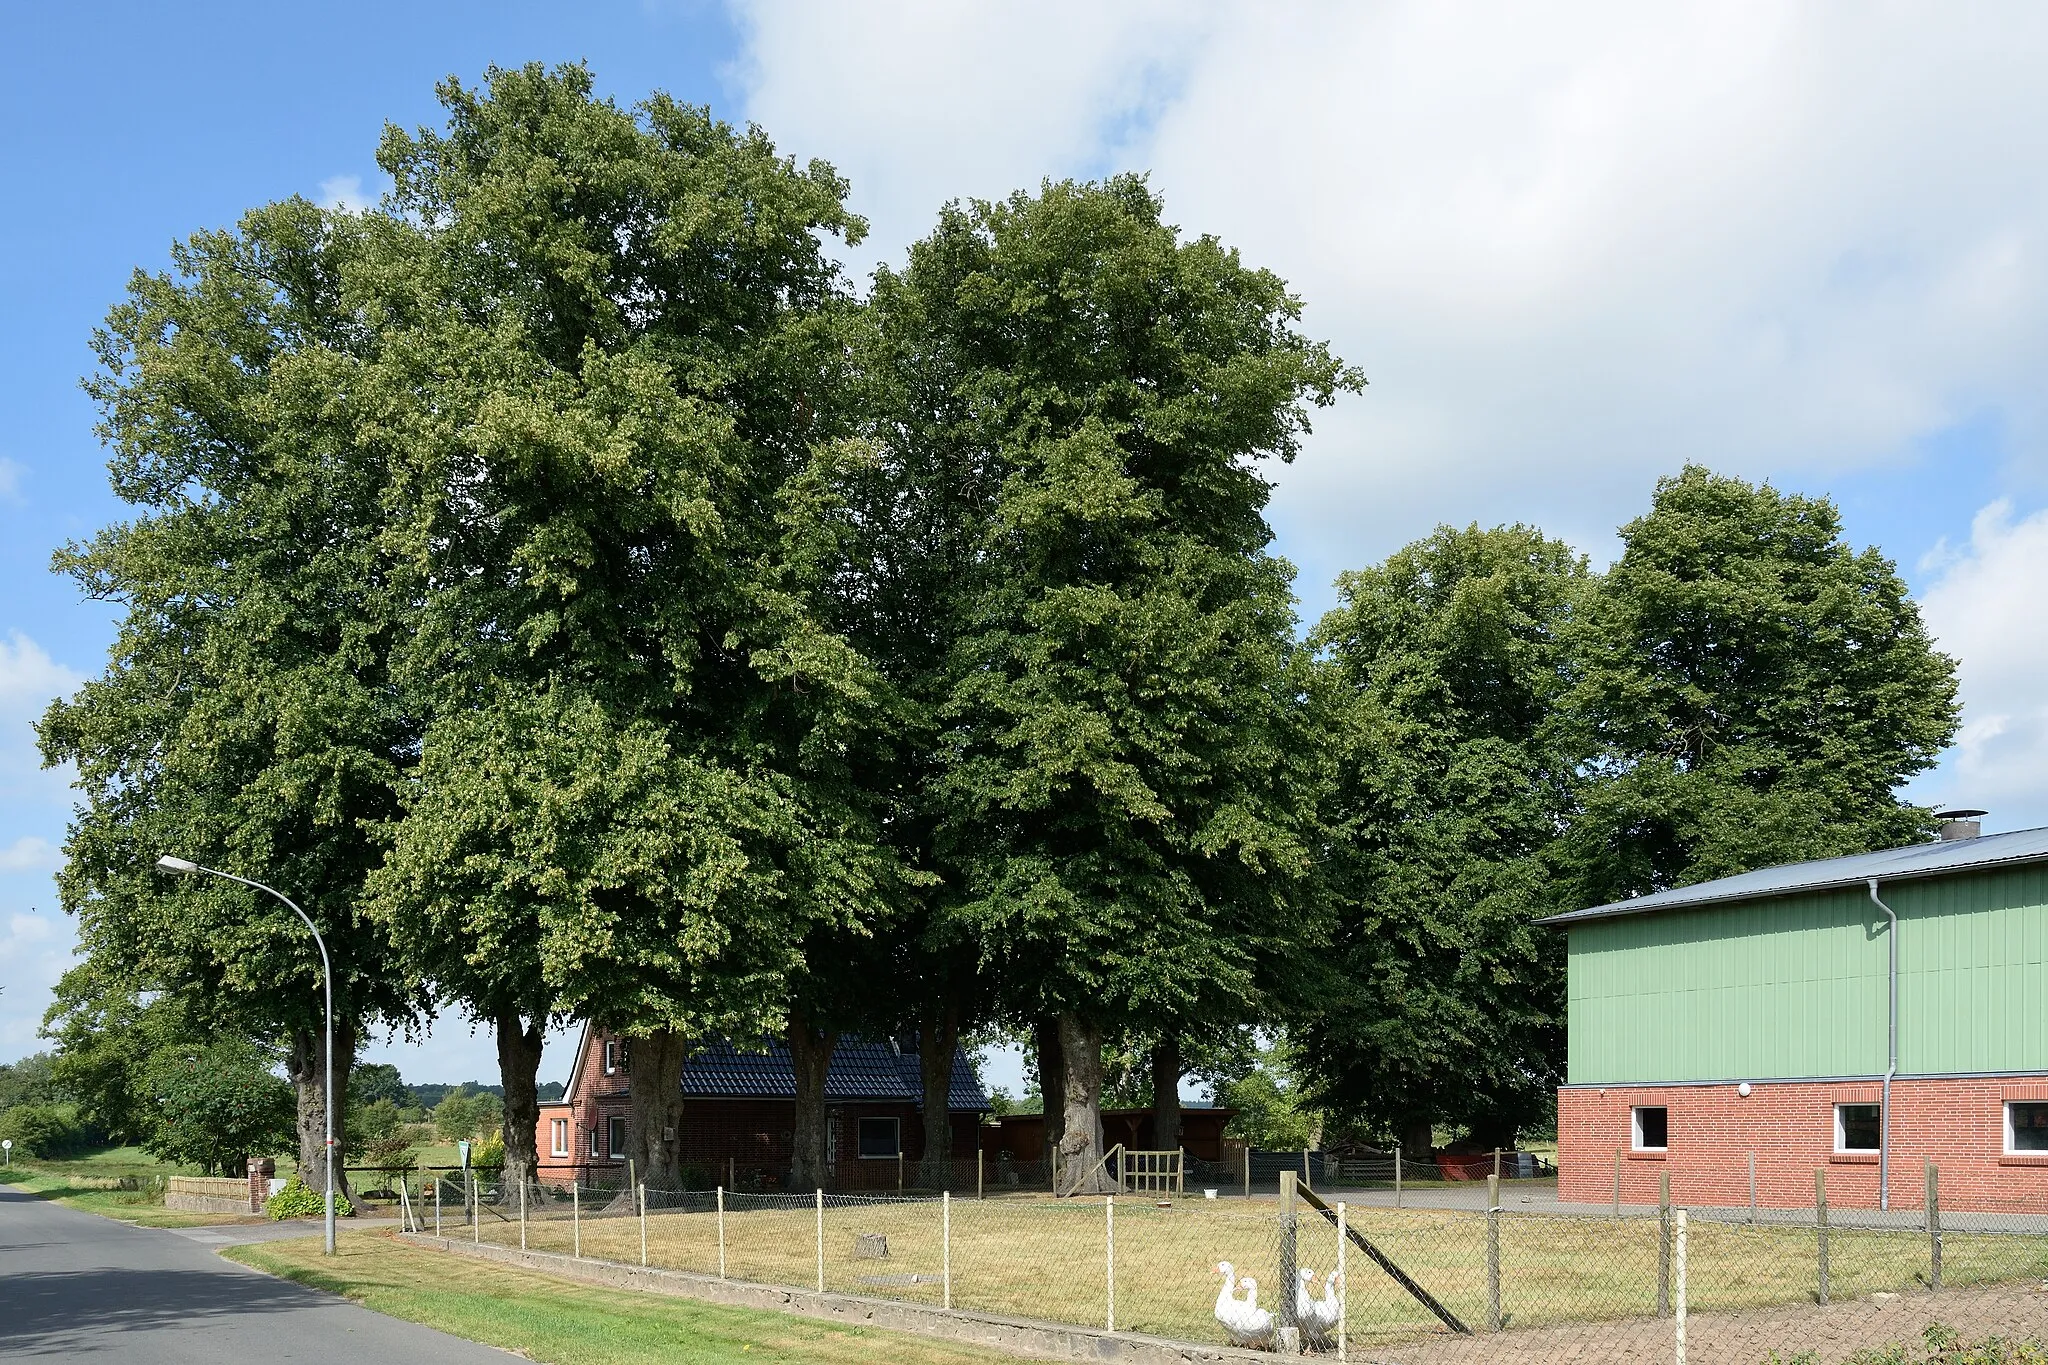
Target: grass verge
555,1320
90,1184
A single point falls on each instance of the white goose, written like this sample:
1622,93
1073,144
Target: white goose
1243,1320
1318,1317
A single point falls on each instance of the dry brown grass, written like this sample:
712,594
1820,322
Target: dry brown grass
1045,1259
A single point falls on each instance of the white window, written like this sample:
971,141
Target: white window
1650,1128
558,1137
611,1058
594,1149
880,1138
2026,1127
1857,1127
618,1136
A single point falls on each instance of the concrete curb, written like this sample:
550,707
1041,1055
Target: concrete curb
1017,1336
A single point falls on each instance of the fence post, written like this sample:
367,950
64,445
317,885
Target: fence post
476,1209
643,1222
1109,1256
1397,1175
1820,1225
1933,1227
1681,1287
1288,1325
731,1177
946,1244
1304,1170
522,1215
899,1168
1664,1242
1180,1173
576,1218
1496,1163
1247,1170
437,1206
1752,1185
978,1173
1344,1284
1492,1253
821,1241
721,1232
1617,1182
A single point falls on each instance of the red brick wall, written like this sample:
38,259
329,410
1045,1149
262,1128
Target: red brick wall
1790,1125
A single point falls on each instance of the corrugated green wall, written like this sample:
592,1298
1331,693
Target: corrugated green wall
1794,986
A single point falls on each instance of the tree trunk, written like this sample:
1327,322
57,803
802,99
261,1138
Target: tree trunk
1052,1083
1416,1138
1081,1140
810,1056
937,1037
307,1066
654,1123
518,1072
1166,1094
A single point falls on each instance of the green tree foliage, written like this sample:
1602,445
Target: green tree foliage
217,1107
369,1082
32,1080
246,717
1440,1002
1126,792
634,798
1753,691
1273,1107
468,1114
42,1129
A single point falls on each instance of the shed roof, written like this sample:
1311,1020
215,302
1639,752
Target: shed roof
1892,864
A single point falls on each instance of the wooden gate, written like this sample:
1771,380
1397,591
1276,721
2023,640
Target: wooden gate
1151,1172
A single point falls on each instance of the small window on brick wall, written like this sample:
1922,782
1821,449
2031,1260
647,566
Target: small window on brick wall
618,1136
879,1138
611,1058
2026,1126
1856,1127
558,1137
1650,1127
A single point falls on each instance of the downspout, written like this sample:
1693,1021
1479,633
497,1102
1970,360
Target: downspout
1884,1108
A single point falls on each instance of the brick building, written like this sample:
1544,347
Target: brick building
740,1108
1862,1015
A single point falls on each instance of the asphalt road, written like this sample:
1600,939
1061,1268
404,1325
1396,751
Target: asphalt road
77,1285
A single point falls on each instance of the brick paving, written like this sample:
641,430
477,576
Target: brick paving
1744,1338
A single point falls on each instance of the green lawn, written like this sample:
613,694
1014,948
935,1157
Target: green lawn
549,1319
91,1182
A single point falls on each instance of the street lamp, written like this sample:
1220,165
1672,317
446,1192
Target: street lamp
186,868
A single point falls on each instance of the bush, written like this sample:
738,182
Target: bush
41,1129
217,1107
296,1200
490,1153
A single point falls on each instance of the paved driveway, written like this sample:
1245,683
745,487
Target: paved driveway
77,1285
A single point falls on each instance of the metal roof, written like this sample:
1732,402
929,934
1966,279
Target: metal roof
1892,864
863,1071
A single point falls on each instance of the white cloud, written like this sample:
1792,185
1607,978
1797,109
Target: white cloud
345,192
1571,247
29,680
1985,609
29,854
10,480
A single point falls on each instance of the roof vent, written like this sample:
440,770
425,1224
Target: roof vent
1960,824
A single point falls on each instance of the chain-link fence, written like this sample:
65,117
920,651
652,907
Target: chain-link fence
1368,1282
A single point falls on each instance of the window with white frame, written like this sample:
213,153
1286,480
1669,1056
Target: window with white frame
1649,1128
558,1137
595,1150
880,1139
611,1058
618,1136
1857,1127
2026,1127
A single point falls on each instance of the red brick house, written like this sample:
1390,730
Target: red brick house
740,1110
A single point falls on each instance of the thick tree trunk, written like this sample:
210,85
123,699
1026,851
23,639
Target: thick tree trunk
655,1122
518,1071
1416,1140
1081,1142
937,1037
1166,1094
1052,1083
307,1066
810,1055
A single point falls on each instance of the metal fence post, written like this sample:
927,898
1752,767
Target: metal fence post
1496,1163
721,1232
1681,1287
1752,1186
476,1209
576,1219
1820,1225
1109,1257
1617,1182
946,1244
1397,1175
522,1215
979,1184
821,1241
1492,1253
1284,1317
643,1222
1247,1170
1933,1227
1664,1242
437,1206
899,1168
1344,1283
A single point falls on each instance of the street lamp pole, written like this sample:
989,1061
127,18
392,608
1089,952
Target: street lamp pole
186,868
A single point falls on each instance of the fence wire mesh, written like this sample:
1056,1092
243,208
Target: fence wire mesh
1403,1284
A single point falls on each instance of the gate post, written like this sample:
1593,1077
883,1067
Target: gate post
1288,1327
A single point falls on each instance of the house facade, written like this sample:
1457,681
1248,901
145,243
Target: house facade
1861,1016
740,1108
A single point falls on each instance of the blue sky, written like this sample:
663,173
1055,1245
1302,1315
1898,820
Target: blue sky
1570,252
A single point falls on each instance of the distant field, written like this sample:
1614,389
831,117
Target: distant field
91,1182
